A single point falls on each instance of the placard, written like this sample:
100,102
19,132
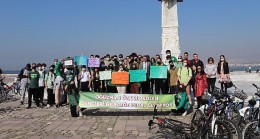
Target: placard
80,60
93,62
105,75
68,62
159,72
120,78
137,75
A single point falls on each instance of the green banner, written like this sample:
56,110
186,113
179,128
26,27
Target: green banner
159,72
137,75
126,101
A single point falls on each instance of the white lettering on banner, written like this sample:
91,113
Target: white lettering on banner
103,97
140,98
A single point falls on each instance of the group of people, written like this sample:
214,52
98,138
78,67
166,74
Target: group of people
184,75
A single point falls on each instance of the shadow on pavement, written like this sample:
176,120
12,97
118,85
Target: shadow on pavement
98,112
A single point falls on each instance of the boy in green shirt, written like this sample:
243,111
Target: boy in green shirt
33,86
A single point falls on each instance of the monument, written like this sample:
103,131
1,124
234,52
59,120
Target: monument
170,34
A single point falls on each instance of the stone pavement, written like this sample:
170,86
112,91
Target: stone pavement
17,122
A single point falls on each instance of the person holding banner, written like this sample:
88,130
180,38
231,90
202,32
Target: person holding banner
173,78
121,88
96,82
85,79
160,84
184,76
134,87
110,88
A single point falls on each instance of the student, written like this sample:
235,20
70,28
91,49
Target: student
111,88
211,73
85,79
97,84
49,84
58,83
200,85
121,88
181,101
173,78
145,65
223,73
196,61
134,86
33,87
161,85
24,76
184,76
41,82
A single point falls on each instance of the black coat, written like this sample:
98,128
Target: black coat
225,66
198,63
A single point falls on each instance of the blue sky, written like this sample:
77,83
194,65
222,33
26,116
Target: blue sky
41,30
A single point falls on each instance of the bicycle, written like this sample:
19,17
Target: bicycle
205,128
216,109
250,113
4,90
252,129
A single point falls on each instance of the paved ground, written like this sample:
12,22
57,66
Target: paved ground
48,123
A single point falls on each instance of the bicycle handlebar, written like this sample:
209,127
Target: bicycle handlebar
255,86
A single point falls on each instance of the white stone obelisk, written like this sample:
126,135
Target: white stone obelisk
170,34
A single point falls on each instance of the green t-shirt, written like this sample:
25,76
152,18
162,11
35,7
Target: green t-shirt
34,79
184,73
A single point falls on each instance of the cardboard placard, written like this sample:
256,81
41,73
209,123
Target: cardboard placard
93,62
105,75
137,75
159,72
80,60
120,78
68,62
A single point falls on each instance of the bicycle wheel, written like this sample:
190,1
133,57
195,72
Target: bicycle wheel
197,122
196,118
234,115
236,131
251,130
220,131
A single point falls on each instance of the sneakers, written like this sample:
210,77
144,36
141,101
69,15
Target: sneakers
21,102
48,105
80,114
185,113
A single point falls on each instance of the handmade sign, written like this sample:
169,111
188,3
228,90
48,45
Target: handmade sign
159,72
68,62
137,75
105,75
120,78
93,62
80,60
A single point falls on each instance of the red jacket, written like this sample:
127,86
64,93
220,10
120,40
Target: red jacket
200,84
